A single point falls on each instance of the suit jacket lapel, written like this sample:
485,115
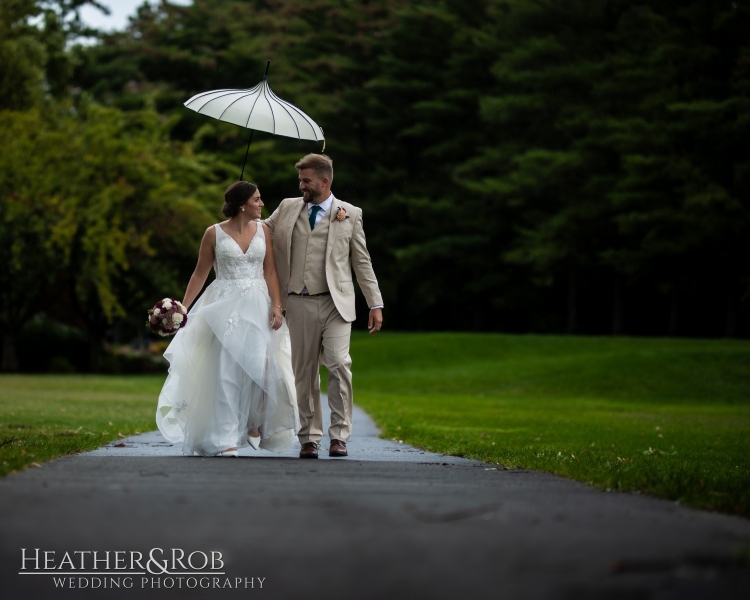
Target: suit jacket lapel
332,226
294,212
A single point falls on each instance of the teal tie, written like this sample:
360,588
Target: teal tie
314,213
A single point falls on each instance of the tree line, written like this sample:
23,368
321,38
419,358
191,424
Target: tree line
547,166
99,207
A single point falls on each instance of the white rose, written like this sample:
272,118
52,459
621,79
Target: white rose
166,305
167,300
177,318
157,312
176,326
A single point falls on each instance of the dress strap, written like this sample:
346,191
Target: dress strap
259,227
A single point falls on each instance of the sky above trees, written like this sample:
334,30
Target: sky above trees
120,12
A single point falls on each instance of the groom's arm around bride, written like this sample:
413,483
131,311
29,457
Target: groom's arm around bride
318,240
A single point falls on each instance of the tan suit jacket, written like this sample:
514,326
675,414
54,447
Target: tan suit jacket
346,249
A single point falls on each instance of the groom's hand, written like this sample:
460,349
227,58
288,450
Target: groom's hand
375,322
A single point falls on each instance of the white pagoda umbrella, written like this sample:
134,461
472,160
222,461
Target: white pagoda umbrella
257,108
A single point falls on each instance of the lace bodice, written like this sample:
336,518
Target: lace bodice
230,261
235,269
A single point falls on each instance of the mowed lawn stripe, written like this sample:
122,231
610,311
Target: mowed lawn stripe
46,416
667,417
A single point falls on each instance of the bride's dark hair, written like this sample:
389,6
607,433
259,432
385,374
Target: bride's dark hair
236,195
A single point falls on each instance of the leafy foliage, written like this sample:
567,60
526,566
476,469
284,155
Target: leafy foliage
100,211
536,155
546,166
103,215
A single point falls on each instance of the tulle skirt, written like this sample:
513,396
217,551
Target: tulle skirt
229,373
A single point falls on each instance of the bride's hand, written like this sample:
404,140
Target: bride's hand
275,317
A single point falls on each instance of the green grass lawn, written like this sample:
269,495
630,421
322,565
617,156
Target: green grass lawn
45,416
666,417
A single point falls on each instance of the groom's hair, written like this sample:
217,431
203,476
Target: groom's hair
320,163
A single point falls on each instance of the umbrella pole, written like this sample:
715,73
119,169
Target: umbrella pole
244,162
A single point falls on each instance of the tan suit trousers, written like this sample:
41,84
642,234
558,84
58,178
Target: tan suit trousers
319,335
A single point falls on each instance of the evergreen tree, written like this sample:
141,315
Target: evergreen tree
555,161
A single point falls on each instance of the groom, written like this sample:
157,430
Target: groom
318,239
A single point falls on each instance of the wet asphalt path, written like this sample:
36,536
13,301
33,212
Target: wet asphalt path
389,522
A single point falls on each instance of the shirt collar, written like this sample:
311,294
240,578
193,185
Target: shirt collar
325,206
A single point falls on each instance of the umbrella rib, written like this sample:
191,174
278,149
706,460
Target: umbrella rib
249,92
290,114
210,92
269,97
229,92
198,96
247,123
265,95
310,122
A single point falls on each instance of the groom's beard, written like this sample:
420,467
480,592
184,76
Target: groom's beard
311,195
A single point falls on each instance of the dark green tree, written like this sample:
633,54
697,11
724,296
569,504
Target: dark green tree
537,156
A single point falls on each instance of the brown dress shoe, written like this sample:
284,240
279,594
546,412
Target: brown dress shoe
337,448
309,450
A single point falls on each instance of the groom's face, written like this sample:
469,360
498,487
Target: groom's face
311,186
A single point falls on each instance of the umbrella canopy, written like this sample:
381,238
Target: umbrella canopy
257,108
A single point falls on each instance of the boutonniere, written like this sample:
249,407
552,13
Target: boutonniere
341,214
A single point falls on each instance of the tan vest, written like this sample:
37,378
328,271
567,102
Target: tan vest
308,255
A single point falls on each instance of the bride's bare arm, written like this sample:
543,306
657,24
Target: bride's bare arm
272,280
203,268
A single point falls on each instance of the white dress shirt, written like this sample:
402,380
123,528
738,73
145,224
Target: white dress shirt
325,206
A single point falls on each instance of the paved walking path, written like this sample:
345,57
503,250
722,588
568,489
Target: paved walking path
365,445
390,522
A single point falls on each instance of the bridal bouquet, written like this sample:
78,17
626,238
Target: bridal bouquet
167,317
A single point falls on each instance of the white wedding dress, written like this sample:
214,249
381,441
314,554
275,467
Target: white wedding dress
229,371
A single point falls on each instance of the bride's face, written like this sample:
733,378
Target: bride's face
253,206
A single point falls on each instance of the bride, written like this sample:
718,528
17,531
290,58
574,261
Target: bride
230,380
